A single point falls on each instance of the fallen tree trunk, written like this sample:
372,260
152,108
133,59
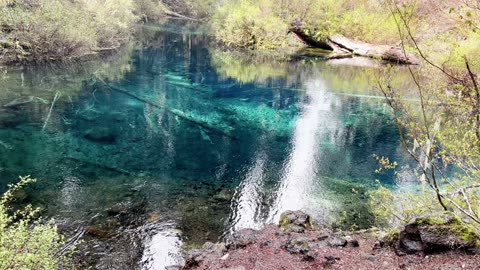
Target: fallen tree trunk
384,52
343,47
297,28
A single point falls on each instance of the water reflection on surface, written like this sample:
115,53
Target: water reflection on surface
299,174
192,144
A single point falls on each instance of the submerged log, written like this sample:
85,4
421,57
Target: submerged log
343,47
182,115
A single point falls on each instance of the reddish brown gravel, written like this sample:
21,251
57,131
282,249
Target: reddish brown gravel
268,253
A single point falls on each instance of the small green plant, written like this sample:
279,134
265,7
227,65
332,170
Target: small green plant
26,243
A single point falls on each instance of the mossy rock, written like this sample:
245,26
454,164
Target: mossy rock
295,221
437,232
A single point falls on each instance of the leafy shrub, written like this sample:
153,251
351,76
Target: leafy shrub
440,130
25,243
198,9
149,9
247,25
264,24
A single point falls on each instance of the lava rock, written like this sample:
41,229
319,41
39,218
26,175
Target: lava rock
337,242
238,267
436,232
351,242
298,245
241,238
295,221
194,257
368,257
216,248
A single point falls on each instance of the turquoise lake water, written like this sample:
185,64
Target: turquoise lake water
171,142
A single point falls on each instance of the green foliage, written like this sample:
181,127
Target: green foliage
59,28
249,25
150,9
25,243
264,24
440,129
397,207
198,9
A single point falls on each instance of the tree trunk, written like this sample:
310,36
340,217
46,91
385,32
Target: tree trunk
384,52
343,47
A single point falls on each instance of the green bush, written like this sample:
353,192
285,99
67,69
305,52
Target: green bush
245,24
25,243
264,24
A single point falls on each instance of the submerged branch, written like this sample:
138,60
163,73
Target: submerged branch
57,95
175,112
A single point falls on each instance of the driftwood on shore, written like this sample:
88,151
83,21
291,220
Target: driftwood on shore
343,47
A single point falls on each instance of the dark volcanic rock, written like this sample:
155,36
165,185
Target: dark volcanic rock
295,221
194,257
302,245
242,238
352,242
298,245
432,233
337,242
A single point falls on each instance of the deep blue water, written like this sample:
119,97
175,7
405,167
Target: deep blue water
175,142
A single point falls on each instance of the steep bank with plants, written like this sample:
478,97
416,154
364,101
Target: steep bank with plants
42,30
265,24
268,25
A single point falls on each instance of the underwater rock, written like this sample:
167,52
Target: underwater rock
153,217
100,134
437,232
224,195
295,221
19,195
96,232
173,267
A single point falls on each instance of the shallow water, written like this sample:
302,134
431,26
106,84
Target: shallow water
177,143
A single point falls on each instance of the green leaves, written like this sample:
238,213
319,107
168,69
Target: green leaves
25,243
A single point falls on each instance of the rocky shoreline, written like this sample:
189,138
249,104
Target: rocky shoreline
296,244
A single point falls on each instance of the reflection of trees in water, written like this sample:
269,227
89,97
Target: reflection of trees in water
270,69
30,91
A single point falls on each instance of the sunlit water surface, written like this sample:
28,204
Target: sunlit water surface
176,144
